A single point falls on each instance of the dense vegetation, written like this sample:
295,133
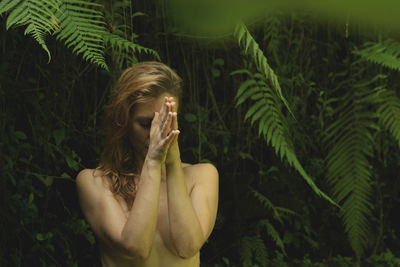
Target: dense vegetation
300,115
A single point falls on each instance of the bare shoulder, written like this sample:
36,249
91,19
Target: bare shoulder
91,184
92,178
202,172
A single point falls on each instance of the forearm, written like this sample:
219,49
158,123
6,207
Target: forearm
139,230
185,227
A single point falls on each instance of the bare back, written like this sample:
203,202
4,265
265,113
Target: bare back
162,252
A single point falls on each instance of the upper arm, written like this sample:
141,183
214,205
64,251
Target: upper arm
204,196
101,210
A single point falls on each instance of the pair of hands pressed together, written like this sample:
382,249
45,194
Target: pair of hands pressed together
163,145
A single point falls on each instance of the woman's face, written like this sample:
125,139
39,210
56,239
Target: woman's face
141,123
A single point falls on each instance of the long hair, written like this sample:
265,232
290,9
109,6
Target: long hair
138,84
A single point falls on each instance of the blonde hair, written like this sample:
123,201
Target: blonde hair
137,84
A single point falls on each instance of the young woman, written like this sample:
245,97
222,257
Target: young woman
145,206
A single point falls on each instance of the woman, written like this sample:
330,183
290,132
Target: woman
145,206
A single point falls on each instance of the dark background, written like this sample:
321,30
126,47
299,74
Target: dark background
50,129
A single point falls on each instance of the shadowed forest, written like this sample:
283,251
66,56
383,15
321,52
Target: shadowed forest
298,110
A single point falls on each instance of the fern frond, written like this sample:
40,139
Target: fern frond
7,5
271,231
125,49
251,47
386,53
253,246
82,27
267,111
351,140
389,113
38,15
269,205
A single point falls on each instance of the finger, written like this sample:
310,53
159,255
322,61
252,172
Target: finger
176,134
166,125
155,118
175,121
154,121
170,138
163,111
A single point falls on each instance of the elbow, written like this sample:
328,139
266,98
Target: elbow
187,254
135,247
188,251
134,252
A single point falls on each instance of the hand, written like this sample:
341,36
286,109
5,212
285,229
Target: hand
173,154
161,135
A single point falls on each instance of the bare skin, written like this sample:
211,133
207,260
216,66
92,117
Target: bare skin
175,206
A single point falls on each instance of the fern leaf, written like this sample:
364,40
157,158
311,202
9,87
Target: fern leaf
389,113
125,49
246,252
82,27
251,47
271,231
243,87
386,53
272,124
37,15
253,246
7,5
348,167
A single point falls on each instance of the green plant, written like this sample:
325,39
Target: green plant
271,122
385,53
80,24
350,138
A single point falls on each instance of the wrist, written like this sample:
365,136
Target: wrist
174,163
154,163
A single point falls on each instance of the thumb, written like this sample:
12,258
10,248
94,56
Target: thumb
155,119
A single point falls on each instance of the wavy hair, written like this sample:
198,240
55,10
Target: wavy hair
140,83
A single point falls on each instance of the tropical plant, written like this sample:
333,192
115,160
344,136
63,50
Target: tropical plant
385,53
267,110
350,138
80,24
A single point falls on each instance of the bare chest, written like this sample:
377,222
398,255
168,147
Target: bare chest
162,238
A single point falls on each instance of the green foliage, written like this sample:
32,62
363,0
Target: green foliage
82,27
252,251
350,138
38,15
349,170
271,122
49,130
389,113
126,50
385,53
385,259
250,46
80,24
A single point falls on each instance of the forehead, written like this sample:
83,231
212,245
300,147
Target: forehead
147,109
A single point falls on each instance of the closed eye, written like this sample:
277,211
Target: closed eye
145,124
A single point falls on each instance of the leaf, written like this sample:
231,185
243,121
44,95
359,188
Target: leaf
348,170
46,180
59,136
82,27
31,197
190,117
20,135
385,53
